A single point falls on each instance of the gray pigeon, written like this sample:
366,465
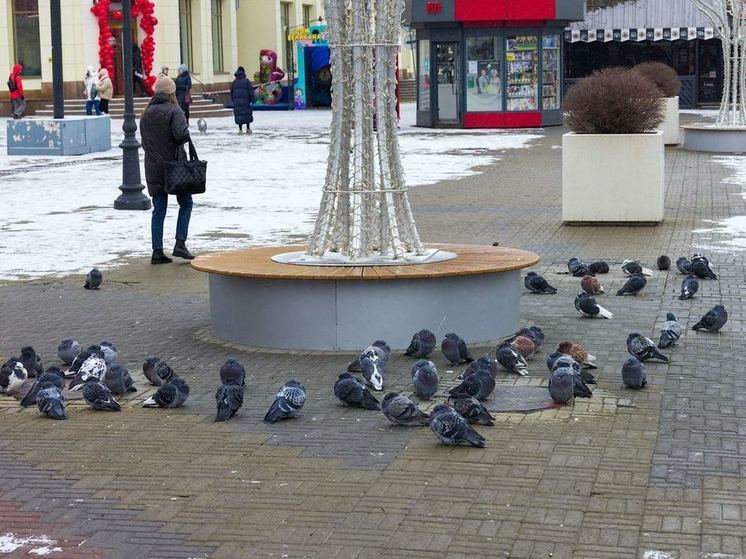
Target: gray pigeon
164,372
372,362
422,344
93,279
632,267
633,373
587,306
119,381
288,402
110,352
31,361
229,399
558,360
683,265
670,331
13,375
479,385
455,350
92,368
68,350
173,394
600,267
689,286
233,372
51,402
400,410
634,285
714,320
511,360
644,348
425,379
562,385
352,393
537,284
663,262
473,410
202,126
98,397
148,369
451,428
50,377
700,267
578,268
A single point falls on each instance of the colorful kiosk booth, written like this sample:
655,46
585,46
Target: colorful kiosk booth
490,63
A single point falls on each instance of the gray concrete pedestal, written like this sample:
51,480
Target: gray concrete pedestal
68,136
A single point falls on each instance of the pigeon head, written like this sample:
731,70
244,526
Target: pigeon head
440,408
28,351
389,396
452,336
670,316
528,274
632,362
565,347
295,383
150,362
632,336
345,375
718,308
108,344
232,370
55,371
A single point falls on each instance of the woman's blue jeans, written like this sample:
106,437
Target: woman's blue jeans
160,205
90,105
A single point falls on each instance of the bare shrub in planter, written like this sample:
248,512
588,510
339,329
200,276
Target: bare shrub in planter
662,75
614,101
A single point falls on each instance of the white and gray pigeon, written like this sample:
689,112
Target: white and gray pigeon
511,360
51,377
689,286
701,268
562,385
148,370
670,331
535,283
288,402
13,375
352,393
713,320
473,410
68,350
454,349
380,347
451,428
633,373
578,268
51,402
372,363
31,361
425,379
99,397
588,307
422,344
92,368
632,267
635,284
93,279
81,358
400,410
119,381
643,348
172,394
110,351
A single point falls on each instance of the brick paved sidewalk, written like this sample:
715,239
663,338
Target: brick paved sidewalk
657,473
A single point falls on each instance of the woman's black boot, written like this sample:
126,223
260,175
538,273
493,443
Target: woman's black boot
159,258
182,251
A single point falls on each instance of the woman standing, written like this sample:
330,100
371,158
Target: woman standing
184,90
242,96
105,90
164,131
17,97
90,83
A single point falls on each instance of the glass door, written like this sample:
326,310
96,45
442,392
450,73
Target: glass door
448,79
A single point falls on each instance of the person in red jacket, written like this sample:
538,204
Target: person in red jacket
15,86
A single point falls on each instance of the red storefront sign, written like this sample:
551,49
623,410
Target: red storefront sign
434,8
505,10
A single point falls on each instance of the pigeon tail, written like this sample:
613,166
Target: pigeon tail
604,313
587,377
581,390
150,403
225,413
30,398
658,355
274,413
474,438
667,340
78,386
698,326
111,405
369,402
484,418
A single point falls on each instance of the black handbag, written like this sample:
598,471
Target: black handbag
185,176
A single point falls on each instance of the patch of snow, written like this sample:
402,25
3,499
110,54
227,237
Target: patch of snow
9,542
46,550
262,188
729,232
656,555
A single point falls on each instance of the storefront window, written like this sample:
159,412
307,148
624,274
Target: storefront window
550,59
522,73
484,89
423,78
26,36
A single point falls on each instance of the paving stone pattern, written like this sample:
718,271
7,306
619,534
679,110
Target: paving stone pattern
656,473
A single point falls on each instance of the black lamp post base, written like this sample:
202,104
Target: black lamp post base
132,199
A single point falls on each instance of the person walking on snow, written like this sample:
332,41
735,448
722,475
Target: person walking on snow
242,96
90,83
15,86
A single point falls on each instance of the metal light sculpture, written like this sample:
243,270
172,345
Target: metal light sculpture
365,214
728,17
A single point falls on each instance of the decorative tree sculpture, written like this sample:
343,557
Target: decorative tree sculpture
365,211
728,17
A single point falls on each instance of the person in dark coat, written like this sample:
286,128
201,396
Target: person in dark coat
242,96
138,74
164,132
184,90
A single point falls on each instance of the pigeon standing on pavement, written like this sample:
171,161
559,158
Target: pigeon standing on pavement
119,381
534,333
31,361
379,346
578,268
663,262
93,279
633,373
148,370
579,353
683,265
473,410
644,348
99,397
173,394
352,393
632,267
713,320
565,385
288,402
202,126
600,267
400,410
81,358
591,285
229,395
525,346
372,363
422,344
425,379
558,360
68,350
689,286
50,377
92,368
511,360
700,267
110,352
51,402
454,349
670,331
635,284
451,428
13,376
479,385
537,284
588,307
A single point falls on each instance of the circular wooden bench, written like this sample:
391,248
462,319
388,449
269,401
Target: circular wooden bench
259,302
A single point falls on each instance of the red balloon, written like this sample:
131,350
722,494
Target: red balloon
116,15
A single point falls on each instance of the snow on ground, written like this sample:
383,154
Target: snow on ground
262,189
40,545
728,234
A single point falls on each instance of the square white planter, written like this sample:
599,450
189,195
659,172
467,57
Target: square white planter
612,178
670,124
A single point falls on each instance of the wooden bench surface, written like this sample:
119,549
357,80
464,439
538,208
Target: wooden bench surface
257,263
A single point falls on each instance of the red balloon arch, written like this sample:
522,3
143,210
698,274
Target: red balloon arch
142,9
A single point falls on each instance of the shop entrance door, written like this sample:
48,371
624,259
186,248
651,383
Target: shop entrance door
448,78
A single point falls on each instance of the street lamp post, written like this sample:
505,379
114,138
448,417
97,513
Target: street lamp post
132,197
56,21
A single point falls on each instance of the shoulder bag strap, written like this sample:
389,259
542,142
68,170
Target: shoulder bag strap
192,151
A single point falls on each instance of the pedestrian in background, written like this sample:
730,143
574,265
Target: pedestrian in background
164,70
184,90
105,90
138,74
242,96
164,131
15,86
90,91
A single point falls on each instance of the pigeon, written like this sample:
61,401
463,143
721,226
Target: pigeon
425,379
98,397
565,384
68,350
599,267
663,262
670,331
422,344
689,286
400,410
93,367
701,268
473,410
635,284
110,352
485,364
633,373
644,348
579,353
683,265
479,385
587,306
51,402
13,376
119,381
525,346
202,126
173,394
352,393
371,366
379,347
537,284
558,359
632,267
534,333
714,320
455,350
451,428
81,358
288,402
164,372
229,399
511,360
148,369
591,285
50,377
578,268
93,279
31,361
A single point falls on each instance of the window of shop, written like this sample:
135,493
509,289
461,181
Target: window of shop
423,75
522,88
26,44
217,36
484,91
550,65
307,15
285,24
185,33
